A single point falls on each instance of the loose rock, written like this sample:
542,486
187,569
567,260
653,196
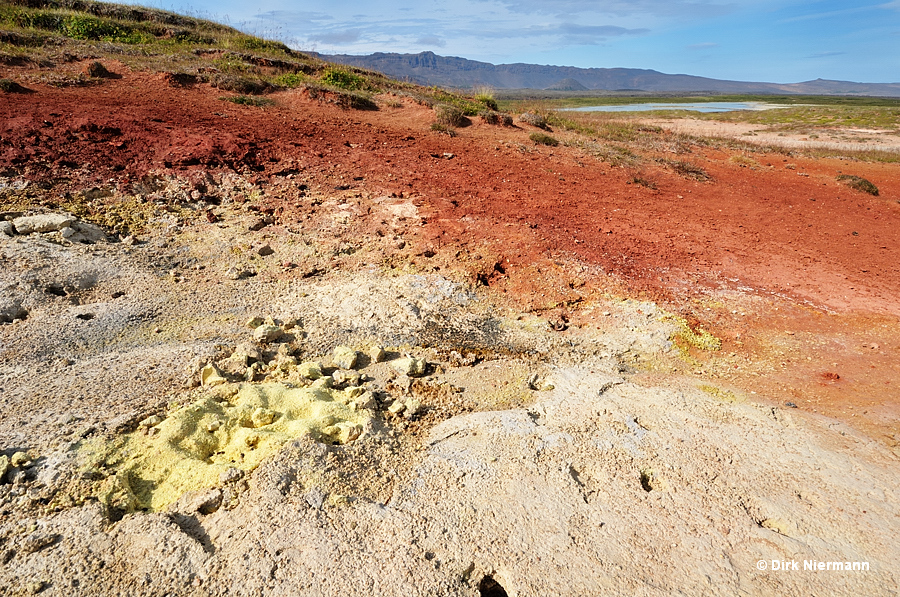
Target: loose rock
19,459
345,357
410,366
42,223
267,333
310,370
376,353
211,376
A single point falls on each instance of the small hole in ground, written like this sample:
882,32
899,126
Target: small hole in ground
85,316
488,587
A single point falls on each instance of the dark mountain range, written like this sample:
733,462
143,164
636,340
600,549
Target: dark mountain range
428,68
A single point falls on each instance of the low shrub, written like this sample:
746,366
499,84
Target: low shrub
448,115
489,116
486,98
534,120
338,77
687,169
242,85
644,182
290,80
10,86
544,139
859,183
246,100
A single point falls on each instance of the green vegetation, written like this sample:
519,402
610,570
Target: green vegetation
190,49
10,86
535,118
686,169
543,139
858,183
290,80
246,100
449,115
485,97
338,77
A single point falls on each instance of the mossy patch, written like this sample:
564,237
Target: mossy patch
233,426
720,394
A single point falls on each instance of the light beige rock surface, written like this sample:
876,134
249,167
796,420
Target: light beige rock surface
606,484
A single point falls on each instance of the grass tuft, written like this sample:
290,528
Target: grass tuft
535,119
859,183
449,115
544,139
247,100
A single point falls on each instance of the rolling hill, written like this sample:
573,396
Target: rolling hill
428,68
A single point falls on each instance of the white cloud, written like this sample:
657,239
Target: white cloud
347,36
431,41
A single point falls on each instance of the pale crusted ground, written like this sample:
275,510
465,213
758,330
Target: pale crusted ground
589,480
759,134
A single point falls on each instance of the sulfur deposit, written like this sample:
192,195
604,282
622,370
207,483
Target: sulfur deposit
235,426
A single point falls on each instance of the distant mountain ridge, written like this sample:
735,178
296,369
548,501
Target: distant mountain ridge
427,68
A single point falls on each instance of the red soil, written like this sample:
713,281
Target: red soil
549,224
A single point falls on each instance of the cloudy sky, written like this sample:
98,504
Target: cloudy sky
782,41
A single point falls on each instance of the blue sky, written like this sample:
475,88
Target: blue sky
783,41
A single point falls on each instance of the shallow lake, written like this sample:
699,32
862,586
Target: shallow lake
696,107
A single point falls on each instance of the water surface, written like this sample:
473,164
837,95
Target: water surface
695,107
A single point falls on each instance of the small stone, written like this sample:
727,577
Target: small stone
310,370
409,366
343,378
38,540
129,240
151,421
267,333
36,587
231,475
345,357
413,407
376,353
364,402
397,407
265,250
344,432
43,223
4,466
85,232
210,376
7,228
206,502
325,382
19,459
255,322
214,426
315,497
